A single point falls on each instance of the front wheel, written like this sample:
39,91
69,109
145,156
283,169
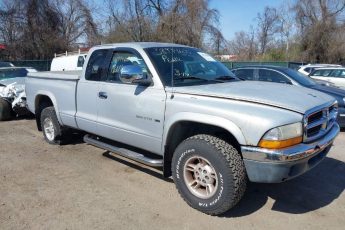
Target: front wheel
209,174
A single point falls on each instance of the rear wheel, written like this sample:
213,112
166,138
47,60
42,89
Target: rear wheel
52,130
209,174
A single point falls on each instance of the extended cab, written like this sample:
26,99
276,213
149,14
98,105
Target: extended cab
176,107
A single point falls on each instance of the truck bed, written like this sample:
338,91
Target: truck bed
62,75
60,87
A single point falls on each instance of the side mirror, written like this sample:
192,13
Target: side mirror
133,74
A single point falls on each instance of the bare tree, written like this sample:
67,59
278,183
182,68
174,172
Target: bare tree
244,45
319,26
268,23
179,21
41,31
12,25
286,26
36,29
75,22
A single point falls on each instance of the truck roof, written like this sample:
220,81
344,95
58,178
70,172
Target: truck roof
141,45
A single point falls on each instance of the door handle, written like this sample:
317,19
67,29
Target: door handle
102,95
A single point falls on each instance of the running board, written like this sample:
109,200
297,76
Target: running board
124,152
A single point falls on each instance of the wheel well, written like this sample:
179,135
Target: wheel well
184,129
41,102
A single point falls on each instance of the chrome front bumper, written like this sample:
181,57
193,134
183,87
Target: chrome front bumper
272,166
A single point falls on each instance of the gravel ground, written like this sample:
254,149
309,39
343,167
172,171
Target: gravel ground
77,187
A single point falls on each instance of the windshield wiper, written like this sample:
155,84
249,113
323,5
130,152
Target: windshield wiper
225,78
189,78
218,79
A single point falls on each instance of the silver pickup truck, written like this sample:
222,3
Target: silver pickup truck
177,108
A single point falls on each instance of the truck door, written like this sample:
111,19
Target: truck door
87,91
130,113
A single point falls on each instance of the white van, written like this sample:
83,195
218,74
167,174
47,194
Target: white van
68,62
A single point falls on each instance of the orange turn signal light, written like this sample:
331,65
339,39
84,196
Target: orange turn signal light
268,144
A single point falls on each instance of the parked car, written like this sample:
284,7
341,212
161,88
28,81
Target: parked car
68,62
335,76
5,64
307,69
12,92
176,107
292,77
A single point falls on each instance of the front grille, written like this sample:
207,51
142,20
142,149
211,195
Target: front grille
319,122
314,131
315,116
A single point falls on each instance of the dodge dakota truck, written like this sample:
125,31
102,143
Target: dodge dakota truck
176,108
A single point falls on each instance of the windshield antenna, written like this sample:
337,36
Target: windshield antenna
172,73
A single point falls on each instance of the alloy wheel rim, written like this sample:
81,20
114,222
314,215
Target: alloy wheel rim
49,130
200,177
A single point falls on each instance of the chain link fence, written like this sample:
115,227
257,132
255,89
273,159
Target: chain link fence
40,65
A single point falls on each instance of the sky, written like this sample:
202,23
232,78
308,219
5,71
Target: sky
237,15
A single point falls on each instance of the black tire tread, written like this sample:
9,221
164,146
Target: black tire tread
50,112
5,110
236,164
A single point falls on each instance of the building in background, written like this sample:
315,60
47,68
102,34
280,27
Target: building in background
3,53
226,57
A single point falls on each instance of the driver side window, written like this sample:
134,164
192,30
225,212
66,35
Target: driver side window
119,60
94,66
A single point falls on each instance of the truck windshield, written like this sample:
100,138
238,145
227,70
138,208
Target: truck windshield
180,66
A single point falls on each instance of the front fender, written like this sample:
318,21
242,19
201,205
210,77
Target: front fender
206,119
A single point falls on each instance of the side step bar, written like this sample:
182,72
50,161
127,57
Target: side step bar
124,152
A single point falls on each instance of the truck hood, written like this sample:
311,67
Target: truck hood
298,99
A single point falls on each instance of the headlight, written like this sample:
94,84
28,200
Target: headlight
283,136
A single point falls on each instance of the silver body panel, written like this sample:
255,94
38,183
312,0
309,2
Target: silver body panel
278,95
60,91
143,117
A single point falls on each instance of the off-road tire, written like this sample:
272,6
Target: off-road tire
50,114
5,110
227,164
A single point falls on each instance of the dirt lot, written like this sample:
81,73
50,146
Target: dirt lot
77,187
